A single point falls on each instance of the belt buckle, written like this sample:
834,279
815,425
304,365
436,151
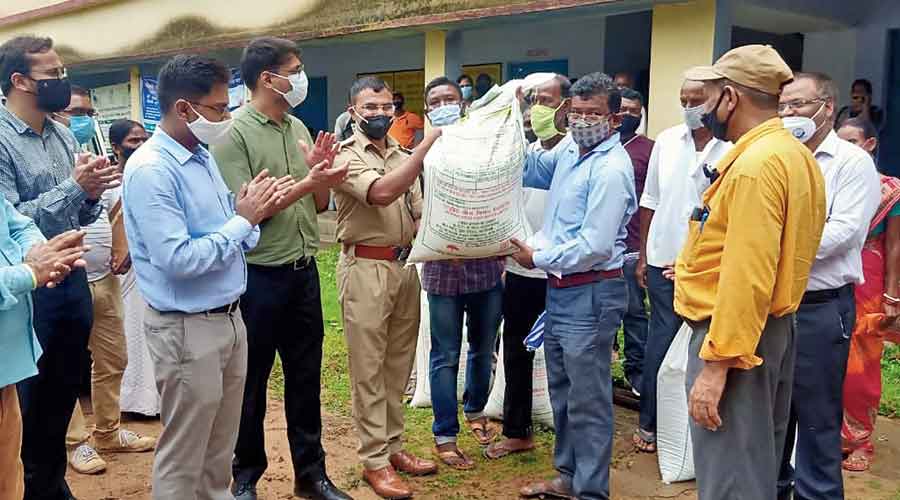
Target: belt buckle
402,253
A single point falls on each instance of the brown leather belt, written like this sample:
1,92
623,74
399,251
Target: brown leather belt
378,252
584,278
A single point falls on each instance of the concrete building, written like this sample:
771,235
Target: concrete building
110,45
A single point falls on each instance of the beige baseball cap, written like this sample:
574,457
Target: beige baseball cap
758,67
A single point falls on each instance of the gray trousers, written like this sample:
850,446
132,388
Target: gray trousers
740,461
200,363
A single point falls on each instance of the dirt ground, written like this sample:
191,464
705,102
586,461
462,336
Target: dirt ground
634,476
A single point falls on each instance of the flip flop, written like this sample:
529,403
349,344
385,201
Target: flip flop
482,431
643,441
500,450
857,462
455,458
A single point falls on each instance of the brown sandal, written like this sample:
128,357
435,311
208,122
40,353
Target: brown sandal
482,431
858,461
454,458
643,441
501,449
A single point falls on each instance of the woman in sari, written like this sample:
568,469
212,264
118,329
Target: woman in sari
877,306
138,393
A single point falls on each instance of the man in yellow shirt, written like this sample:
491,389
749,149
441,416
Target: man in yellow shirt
741,275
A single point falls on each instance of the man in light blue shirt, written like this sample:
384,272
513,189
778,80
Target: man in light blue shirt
592,197
27,262
187,235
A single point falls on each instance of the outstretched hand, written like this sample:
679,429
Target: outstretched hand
324,149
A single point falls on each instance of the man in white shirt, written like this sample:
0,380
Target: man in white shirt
827,312
107,340
681,166
525,289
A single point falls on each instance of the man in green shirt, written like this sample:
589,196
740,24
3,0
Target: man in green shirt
282,306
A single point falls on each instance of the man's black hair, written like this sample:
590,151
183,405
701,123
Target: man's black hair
15,57
865,84
440,82
367,82
632,95
265,54
464,77
599,84
189,77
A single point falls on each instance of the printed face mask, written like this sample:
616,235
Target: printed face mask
587,136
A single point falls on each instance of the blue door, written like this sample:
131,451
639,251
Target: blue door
523,69
314,110
889,142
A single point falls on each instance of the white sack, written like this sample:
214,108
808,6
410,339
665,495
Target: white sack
541,411
673,431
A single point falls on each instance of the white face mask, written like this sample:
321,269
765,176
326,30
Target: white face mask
208,132
299,88
802,127
693,117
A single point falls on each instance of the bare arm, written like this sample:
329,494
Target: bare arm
892,263
392,185
646,216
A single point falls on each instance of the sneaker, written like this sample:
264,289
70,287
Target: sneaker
130,441
86,460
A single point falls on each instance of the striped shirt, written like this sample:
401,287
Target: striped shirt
99,236
36,175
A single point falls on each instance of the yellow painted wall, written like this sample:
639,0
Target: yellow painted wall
10,7
683,36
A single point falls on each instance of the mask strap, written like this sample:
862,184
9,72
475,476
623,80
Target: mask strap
361,117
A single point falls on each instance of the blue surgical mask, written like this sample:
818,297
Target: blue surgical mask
444,115
83,127
466,91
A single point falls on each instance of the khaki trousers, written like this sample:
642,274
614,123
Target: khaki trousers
200,363
12,486
380,301
109,355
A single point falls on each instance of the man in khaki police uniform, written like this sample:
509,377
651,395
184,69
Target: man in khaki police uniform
379,207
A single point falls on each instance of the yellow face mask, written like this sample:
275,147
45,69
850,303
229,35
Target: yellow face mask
543,121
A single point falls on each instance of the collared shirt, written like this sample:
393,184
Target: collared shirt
36,175
852,193
751,257
639,149
187,244
359,222
19,347
257,143
99,237
591,200
675,185
535,202
458,277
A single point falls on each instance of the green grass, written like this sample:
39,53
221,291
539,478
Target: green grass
890,381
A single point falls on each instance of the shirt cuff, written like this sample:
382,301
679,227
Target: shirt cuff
741,362
540,259
649,203
237,229
73,191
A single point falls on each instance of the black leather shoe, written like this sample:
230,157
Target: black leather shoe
244,491
318,487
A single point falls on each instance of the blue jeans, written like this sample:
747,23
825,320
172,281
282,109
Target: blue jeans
483,311
581,324
664,325
634,325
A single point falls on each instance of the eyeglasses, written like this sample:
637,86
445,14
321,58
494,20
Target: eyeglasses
797,103
221,110
440,104
53,73
588,118
373,109
80,112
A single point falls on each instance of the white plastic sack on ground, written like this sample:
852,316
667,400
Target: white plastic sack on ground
473,181
541,411
422,395
673,432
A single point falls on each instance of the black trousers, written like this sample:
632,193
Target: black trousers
62,321
523,301
817,406
282,309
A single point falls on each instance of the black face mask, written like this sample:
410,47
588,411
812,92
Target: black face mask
376,127
629,126
718,128
126,153
53,94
